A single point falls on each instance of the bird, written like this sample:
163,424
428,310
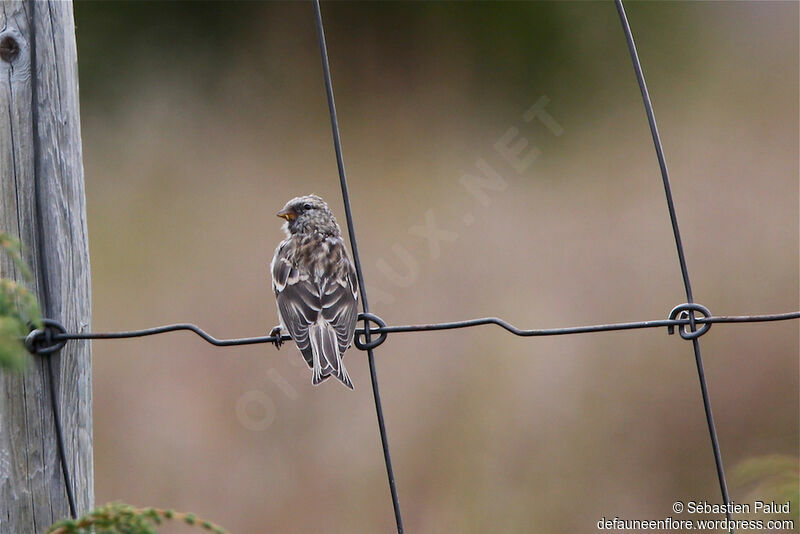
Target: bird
316,287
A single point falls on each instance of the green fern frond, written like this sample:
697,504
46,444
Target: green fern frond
120,518
19,310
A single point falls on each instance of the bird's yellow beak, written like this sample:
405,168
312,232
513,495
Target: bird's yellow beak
287,214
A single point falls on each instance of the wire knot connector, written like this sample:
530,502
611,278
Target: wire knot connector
362,343
43,340
681,312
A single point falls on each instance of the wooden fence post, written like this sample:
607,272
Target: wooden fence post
42,203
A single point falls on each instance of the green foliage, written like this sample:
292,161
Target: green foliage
18,310
774,477
120,518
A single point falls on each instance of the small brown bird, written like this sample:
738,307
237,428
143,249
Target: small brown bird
316,287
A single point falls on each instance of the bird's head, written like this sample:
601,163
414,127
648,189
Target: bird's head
308,214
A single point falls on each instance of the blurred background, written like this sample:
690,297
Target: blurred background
201,119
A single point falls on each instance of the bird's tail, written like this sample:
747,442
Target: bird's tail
327,360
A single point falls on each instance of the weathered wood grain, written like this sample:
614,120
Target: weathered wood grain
42,203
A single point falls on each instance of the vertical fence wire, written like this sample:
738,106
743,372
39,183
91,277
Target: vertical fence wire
337,144
55,405
651,119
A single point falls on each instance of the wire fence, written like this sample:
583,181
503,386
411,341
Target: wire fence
53,336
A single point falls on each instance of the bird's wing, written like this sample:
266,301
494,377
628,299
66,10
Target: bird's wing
298,299
340,304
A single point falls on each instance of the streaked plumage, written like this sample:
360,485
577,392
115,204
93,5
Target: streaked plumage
315,287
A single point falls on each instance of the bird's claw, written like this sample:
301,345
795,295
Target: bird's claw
276,333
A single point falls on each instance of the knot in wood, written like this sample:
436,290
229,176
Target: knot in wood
9,49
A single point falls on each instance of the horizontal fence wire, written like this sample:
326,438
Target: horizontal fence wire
39,340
